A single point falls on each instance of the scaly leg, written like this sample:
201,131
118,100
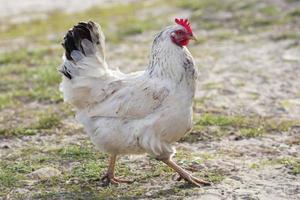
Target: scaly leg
184,174
109,177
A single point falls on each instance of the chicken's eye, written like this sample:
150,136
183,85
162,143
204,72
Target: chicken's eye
180,32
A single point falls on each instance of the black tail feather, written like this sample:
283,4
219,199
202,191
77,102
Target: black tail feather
64,70
72,40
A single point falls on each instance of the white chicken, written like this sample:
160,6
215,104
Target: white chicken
140,112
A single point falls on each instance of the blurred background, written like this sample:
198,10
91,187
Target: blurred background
247,106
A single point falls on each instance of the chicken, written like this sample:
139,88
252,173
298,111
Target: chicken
140,112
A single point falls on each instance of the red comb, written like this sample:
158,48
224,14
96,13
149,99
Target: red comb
185,23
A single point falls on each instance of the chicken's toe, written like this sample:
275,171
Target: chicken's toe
122,180
108,179
192,179
200,181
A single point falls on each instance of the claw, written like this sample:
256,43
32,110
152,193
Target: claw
108,179
122,181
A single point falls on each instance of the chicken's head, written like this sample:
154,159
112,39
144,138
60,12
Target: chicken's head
182,33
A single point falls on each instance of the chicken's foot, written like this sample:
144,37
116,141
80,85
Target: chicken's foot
109,177
184,174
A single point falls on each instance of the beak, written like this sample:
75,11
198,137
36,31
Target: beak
193,37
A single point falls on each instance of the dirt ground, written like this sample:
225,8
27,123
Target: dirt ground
246,138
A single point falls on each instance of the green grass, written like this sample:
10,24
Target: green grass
212,85
47,121
252,132
291,163
243,15
195,5
88,171
213,176
82,179
220,120
124,17
75,152
295,13
7,179
32,76
268,124
286,36
44,121
18,131
241,126
12,174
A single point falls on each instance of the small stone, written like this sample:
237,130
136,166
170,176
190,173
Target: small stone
5,146
44,173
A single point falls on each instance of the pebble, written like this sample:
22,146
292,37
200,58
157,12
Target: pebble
44,173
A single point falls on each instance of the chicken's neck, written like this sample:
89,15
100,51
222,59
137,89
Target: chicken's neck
168,61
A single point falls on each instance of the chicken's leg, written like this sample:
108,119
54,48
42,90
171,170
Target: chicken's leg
109,177
184,174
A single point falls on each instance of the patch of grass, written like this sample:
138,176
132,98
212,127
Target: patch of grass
18,131
5,101
287,36
30,57
120,16
252,132
44,121
220,120
224,35
213,176
47,121
243,15
188,157
270,10
291,163
212,85
212,5
32,76
75,152
215,126
205,133
7,179
267,124
136,26
295,13
88,171
254,166
22,167
199,103
12,174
